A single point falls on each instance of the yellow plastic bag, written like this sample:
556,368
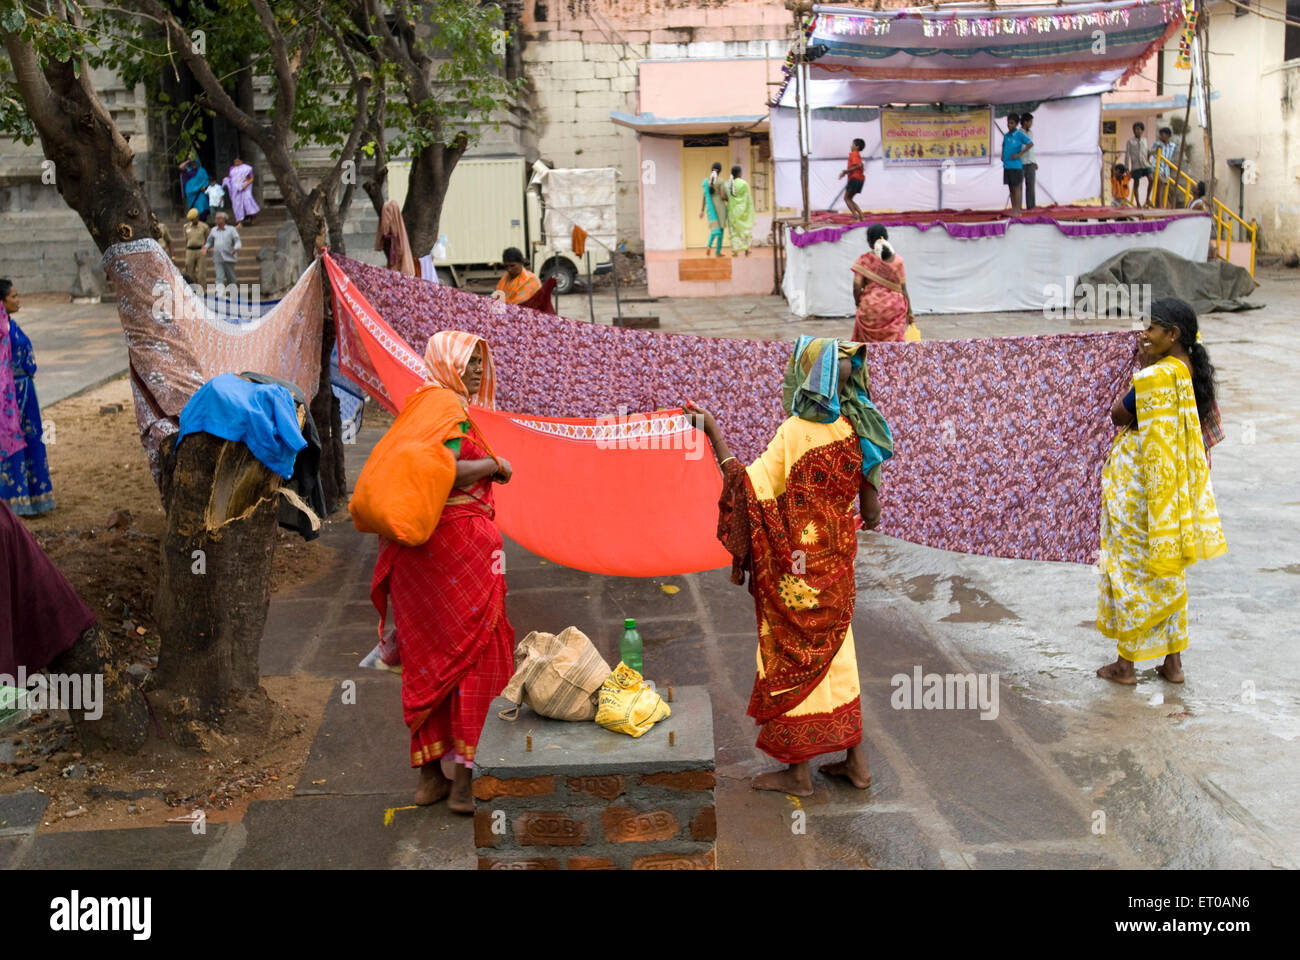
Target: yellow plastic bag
913,333
627,704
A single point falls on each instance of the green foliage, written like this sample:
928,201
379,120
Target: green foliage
460,48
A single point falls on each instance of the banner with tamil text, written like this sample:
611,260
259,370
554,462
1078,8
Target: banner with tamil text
930,138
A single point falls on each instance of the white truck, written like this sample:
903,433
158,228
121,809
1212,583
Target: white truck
492,204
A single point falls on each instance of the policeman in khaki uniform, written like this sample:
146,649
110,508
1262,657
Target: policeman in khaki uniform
196,234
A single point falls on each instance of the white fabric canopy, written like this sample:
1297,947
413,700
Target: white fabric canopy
945,275
1065,136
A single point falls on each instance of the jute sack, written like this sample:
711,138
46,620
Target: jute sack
558,676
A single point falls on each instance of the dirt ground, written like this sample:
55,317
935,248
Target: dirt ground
104,535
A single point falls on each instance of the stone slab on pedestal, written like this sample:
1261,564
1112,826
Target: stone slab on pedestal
586,798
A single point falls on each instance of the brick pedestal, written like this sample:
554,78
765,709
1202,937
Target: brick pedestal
585,798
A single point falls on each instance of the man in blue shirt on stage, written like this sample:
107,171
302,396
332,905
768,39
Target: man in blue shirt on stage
1014,146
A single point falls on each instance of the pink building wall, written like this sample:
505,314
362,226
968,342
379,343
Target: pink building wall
715,88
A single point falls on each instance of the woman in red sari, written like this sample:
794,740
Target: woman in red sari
880,291
448,595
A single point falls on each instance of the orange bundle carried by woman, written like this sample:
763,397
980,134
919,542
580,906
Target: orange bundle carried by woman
407,479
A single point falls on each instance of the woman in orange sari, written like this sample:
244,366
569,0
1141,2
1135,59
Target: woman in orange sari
880,291
448,595
788,521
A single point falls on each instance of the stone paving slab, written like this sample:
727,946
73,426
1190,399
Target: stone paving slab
21,812
11,851
361,748
173,847
375,832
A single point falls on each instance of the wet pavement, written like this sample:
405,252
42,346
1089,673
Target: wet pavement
1071,771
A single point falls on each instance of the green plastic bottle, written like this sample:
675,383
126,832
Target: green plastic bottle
629,648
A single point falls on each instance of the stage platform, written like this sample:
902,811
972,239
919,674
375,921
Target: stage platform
979,261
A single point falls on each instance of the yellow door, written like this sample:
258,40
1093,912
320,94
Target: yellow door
696,163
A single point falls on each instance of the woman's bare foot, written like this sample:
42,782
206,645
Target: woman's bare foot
794,780
1172,668
461,800
433,785
854,766
1121,671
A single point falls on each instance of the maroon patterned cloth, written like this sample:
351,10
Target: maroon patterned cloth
998,442
40,614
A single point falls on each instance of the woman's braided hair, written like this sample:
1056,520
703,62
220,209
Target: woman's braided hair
1175,314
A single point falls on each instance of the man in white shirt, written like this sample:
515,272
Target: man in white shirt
1029,164
224,243
1137,158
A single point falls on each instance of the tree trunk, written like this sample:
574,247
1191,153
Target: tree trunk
124,724
215,587
430,174
93,167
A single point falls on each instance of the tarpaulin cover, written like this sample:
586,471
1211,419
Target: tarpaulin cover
998,443
585,198
1216,285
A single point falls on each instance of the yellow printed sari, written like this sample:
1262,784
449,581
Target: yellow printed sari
1158,517
792,514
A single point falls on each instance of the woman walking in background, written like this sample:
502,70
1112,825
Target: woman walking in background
740,213
788,522
239,188
194,185
880,291
714,206
1158,513
448,594
25,471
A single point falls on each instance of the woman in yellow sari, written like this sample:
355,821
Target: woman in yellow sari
1158,513
788,520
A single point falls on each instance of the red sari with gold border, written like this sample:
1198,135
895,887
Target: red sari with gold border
456,644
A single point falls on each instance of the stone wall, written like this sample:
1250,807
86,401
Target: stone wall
39,234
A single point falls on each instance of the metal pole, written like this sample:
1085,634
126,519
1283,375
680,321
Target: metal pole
1182,141
1203,26
591,301
803,152
618,300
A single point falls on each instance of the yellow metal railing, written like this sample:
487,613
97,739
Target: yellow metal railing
1182,186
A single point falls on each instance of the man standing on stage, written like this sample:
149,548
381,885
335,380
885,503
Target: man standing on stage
1136,160
1164,147
1014,146
1030,164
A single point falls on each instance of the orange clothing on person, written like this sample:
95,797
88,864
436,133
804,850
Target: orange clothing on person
1119,188
520,288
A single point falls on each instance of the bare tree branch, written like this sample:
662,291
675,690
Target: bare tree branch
285,74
